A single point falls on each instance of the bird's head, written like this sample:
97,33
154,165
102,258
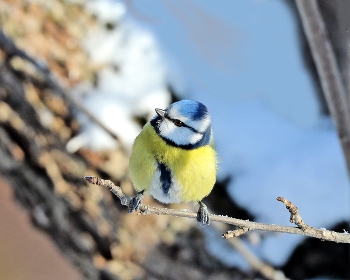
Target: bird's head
184,124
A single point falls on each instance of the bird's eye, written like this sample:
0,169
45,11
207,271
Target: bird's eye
178,123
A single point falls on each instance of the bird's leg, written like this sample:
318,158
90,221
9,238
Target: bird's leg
135,202
203,215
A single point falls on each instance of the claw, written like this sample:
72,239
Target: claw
135,202
203,216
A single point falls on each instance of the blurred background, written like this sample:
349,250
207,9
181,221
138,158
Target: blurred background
79,79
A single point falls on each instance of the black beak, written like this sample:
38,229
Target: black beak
160,112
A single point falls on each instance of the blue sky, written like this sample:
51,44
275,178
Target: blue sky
256,53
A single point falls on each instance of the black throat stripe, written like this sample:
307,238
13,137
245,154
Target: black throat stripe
165,177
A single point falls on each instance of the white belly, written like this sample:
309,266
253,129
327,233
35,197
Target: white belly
173,196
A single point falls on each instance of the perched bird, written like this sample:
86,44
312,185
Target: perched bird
174,159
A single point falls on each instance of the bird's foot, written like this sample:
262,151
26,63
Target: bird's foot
135,202
203,216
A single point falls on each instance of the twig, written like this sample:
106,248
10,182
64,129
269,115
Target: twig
295,217
266,270
323,234
235,233
328,71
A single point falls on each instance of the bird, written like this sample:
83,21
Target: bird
174,157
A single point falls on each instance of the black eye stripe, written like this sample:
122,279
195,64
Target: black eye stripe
205,140
183,124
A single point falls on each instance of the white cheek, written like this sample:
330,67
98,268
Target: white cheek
195,137
199,126
179,135
166,127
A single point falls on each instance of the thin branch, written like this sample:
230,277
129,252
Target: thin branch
266,270
328,70
235,233
323,234
295,217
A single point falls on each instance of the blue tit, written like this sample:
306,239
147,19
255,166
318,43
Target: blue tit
174,158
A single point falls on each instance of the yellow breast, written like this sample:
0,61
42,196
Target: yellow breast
193,170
